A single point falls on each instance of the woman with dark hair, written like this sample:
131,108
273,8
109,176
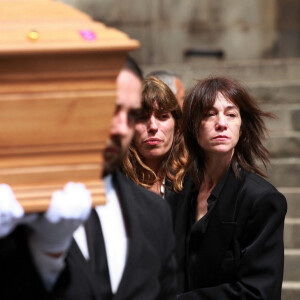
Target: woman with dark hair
229,221
156,156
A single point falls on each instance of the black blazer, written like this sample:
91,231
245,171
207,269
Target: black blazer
238,251
150,271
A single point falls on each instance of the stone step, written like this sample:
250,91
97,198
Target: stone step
269,81
290,290
281,145
287,117
284,172
244,70
285,91
292,233
263,90
291,265
293,201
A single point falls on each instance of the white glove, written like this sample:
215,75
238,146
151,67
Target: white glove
11,212
69,208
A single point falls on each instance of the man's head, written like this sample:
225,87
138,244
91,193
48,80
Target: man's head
128,104
172,81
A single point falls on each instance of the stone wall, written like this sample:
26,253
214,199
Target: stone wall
248,29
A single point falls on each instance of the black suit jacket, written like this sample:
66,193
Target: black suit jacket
238,251
150,271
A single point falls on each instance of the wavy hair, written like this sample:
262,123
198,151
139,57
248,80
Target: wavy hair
249,149
172,168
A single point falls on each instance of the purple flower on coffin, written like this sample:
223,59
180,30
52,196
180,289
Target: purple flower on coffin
87,34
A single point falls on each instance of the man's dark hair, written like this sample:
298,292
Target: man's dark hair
132,66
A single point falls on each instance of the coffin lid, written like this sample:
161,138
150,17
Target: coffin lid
48,26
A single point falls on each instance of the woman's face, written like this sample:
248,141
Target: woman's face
220,129
154,135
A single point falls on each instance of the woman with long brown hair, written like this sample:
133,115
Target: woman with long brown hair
156,156
229,222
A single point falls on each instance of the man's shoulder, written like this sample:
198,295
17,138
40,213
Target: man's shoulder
137,194
122,181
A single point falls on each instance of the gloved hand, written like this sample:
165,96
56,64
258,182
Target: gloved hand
69,208
11,212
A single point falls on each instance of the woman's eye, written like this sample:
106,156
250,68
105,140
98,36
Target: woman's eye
210,114
163,116
231,115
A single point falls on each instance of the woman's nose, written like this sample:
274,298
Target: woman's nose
152,123
221,122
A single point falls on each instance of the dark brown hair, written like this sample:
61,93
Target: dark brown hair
172,168
249,148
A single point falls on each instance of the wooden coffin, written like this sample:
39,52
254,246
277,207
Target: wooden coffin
57,92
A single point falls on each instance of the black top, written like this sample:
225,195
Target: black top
236,250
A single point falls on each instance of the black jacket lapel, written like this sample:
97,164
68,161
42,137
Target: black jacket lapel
75,258
208,250
127,197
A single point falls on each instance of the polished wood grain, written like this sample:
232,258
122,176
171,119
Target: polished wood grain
57,95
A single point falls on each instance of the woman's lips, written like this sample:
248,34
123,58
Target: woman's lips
220,137
152,141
